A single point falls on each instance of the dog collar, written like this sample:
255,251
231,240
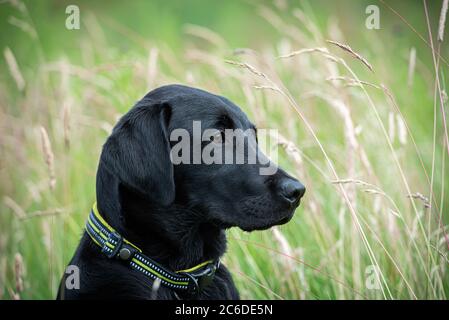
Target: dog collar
114,246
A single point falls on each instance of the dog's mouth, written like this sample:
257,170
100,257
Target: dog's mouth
284,220
250,215
262,223
259,226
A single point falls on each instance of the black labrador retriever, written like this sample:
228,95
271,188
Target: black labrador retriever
173,216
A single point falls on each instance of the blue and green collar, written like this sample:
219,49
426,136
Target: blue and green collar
114,246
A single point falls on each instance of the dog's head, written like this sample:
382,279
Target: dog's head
179,146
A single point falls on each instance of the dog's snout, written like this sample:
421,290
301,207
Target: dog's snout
291,190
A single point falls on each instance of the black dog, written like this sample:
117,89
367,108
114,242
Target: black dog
176,214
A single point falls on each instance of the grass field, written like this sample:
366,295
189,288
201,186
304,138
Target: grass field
362,126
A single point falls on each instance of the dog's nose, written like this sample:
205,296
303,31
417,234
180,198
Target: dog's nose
292,190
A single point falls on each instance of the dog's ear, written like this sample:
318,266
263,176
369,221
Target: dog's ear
138,151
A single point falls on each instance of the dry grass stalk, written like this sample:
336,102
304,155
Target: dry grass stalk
421,197
379,192
285,247
251,99
18,272
14,295
45,213
373,191
247,66
2,276
279,23
331,58
46,235
49,157
442,254
3,265
307,22
345,113
90,75
350,82
442,20
272,88
383,194
391,126
152,67
66,123
402,130
288,264
345,181
291,149
352,144
14,206
352,52
271,17
302,276
205,34
281,4
24,26
205,58
411,66
253,280
14,69
19,5
322,51
302,51
371,188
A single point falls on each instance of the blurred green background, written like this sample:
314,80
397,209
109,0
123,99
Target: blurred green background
390,214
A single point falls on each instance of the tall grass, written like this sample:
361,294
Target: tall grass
353,127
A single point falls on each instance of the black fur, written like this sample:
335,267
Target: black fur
177,214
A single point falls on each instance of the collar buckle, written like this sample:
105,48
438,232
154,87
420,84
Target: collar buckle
112,245
120,249
126,252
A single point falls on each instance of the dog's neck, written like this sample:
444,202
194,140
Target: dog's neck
174,236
